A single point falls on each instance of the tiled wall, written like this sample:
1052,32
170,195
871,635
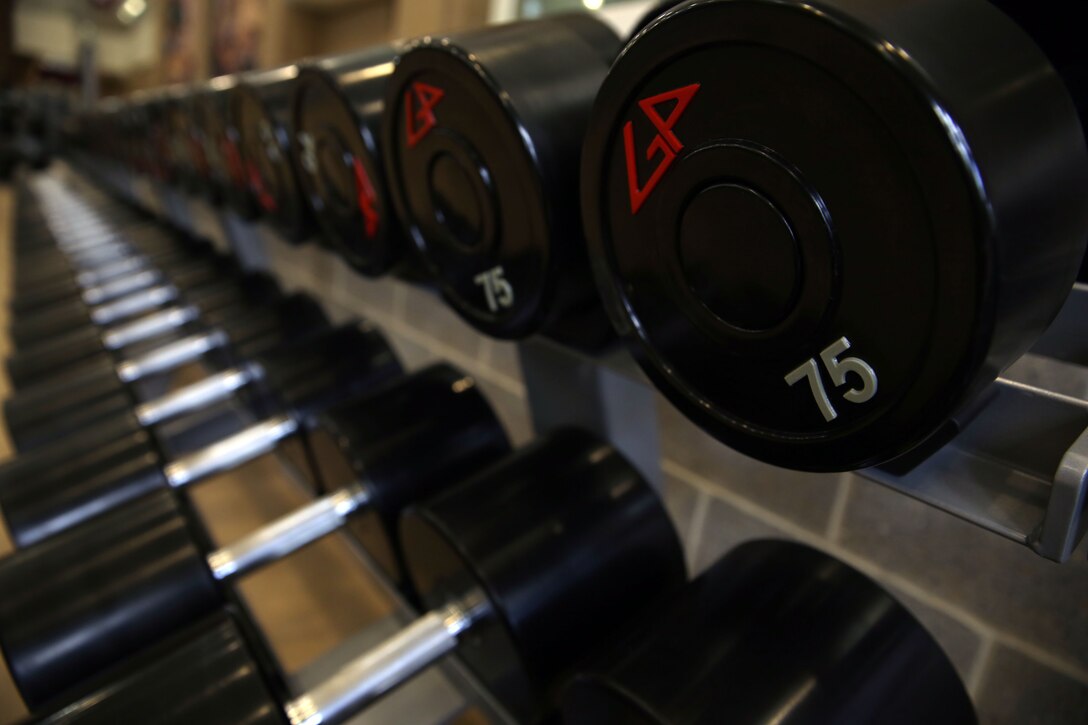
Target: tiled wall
1015,625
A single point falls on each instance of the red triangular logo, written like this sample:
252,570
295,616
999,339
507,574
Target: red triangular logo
364,191
665,142
421,120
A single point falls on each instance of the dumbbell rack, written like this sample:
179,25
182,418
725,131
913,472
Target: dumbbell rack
436,696
1018,468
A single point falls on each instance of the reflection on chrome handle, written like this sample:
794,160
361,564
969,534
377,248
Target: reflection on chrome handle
230,452
288,533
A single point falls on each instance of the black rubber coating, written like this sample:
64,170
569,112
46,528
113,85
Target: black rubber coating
45,413
81,488
66,316
106,405
206,674
59,625
261,106
482,139
826,230
117,564
337,110
33,364
438,410
331,367
774,632
569,545
36,404
56,356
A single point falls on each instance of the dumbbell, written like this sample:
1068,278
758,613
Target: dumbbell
223,144
203,304
93,257
482,136
336,364
67,275
529,567
109,434
337,116
86,401
261,106
129,271
154,290
95,245
155,148
205,107
117,567
824,250
184,153
779,632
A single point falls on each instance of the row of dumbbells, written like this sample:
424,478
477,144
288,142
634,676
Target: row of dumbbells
823,230
553,570
30,127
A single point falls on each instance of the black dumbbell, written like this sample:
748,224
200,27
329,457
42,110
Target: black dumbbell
773,632
206,109
154,291
261,107
108,434
530,566
86,399
228,296
98,254
337,119
83,249
826,230
184,152
336,364
223,145
405,442
155,343
482,137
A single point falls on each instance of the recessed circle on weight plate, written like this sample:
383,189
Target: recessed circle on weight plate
739,256
791,218
468,189
460,200
890,233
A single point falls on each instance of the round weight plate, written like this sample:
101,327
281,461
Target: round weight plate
518,534
378,441
265,151
773,627
811,260
337,111
471,194
482,138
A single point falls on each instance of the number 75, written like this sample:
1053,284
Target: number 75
837,369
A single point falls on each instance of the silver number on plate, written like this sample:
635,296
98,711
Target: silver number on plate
309,153
837,370
497,289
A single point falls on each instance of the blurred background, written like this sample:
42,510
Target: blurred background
144,43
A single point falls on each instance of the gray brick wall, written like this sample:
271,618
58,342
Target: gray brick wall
1015,625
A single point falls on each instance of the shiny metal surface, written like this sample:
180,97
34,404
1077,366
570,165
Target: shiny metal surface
210,390
381,669
120,287
110,270
153,325
239,448
134,304
288,533
171,356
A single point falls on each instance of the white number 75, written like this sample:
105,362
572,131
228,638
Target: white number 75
837,369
